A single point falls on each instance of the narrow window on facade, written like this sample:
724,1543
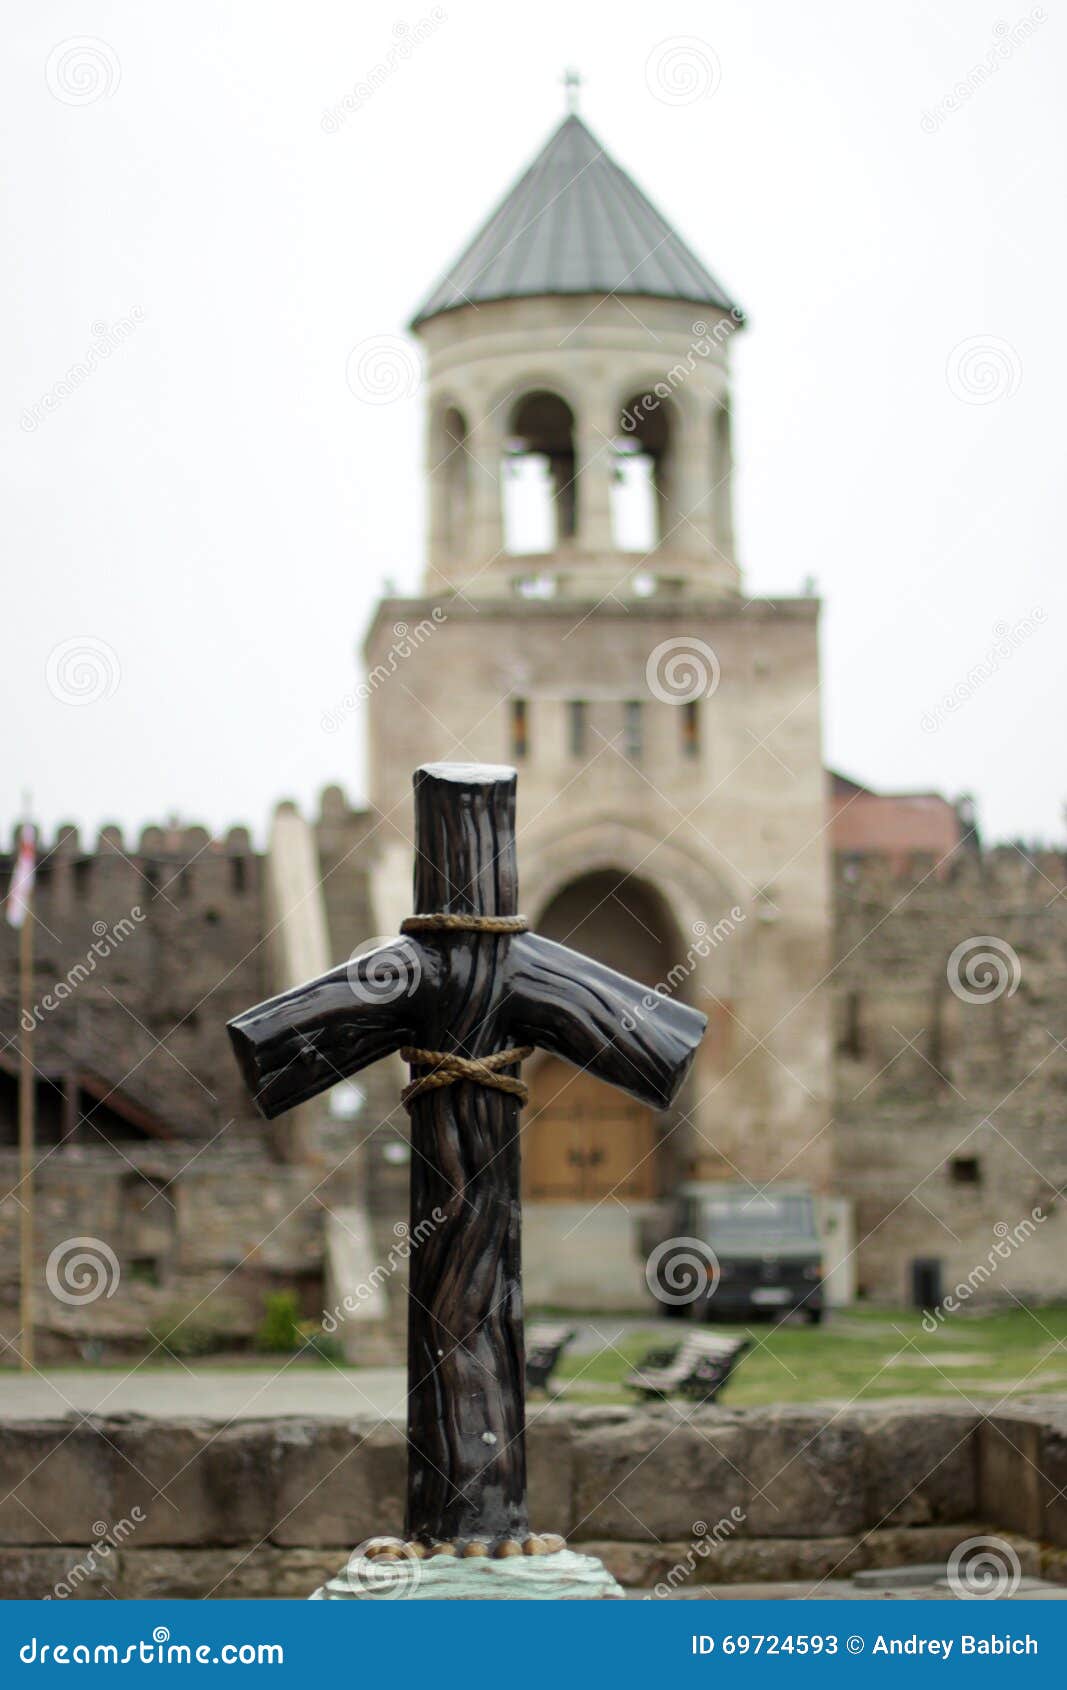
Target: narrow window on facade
691,728
520,728
965,1170
577,725
632,729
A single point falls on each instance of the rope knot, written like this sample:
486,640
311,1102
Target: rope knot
464,924
446,1068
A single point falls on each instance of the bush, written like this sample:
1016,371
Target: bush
280,1333
192,1332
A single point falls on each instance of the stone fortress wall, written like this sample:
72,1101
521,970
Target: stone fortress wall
950,1012
949,1114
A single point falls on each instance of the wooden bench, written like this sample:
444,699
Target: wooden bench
697,1368
545,1345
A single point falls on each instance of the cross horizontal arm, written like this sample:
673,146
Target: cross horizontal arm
615,1029
296,1045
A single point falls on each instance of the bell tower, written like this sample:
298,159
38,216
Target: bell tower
578,400
581,616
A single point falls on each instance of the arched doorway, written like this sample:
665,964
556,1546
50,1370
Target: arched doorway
583,1140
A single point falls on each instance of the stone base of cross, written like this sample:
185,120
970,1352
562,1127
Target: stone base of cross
464,994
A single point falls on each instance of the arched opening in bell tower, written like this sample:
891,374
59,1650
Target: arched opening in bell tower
539,487
583,1140
642,478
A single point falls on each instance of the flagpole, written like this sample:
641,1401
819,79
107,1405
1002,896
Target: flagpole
26,1133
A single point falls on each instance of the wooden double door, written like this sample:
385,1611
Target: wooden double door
583,1140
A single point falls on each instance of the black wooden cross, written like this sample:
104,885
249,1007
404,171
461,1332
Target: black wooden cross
445,991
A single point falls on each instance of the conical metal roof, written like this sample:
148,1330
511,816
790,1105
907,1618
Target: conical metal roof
574,223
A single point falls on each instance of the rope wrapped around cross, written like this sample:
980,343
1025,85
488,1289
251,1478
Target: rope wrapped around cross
446,1067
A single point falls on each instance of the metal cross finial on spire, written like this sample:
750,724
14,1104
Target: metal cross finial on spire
572,82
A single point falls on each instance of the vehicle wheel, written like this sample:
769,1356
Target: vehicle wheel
814,1316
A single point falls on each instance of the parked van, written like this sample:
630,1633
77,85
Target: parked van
766,1256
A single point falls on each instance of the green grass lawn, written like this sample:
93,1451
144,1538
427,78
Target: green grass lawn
858,1354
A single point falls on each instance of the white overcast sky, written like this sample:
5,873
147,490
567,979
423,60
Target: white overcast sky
214,507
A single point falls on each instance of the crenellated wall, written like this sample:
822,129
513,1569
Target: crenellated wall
143,950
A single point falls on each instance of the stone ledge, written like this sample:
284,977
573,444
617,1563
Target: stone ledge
809,1473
